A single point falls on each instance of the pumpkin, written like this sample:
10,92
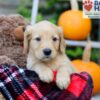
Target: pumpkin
75,27
90,67
93,69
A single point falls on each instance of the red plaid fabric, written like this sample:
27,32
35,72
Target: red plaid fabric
21,84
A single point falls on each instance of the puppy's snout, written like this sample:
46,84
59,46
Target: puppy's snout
47,51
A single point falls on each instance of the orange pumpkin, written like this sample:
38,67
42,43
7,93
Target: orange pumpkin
93,69
75,27
89,66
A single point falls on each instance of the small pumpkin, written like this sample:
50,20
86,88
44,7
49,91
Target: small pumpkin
91,67
75,27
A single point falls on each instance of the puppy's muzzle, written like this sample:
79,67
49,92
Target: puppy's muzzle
47,52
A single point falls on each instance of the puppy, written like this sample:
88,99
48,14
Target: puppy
45,47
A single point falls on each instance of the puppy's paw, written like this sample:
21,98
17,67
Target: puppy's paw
62,81
46,76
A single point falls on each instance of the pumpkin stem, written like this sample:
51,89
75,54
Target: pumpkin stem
87,51
74,5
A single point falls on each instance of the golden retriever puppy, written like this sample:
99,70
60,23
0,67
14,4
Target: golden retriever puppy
45,46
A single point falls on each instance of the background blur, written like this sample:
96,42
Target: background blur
51,10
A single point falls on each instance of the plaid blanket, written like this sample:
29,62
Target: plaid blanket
21,84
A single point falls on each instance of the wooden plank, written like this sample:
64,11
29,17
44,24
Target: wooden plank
82,43
35,5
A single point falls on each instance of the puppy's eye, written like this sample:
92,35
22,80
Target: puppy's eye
54,39
38,39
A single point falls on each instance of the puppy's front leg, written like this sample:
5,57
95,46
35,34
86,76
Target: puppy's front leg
44,72
63,78
29,62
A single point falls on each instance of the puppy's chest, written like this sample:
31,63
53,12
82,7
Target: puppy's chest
53,65
56,63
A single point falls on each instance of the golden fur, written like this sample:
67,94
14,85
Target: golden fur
47,35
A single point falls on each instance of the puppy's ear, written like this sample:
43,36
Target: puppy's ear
62,44
27,38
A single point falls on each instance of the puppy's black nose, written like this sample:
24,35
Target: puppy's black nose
47,51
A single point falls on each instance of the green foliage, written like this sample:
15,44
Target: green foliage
74,53
24,11
95,55
50,10
77,52
24,8
39,17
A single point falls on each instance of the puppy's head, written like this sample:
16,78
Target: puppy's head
44,40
